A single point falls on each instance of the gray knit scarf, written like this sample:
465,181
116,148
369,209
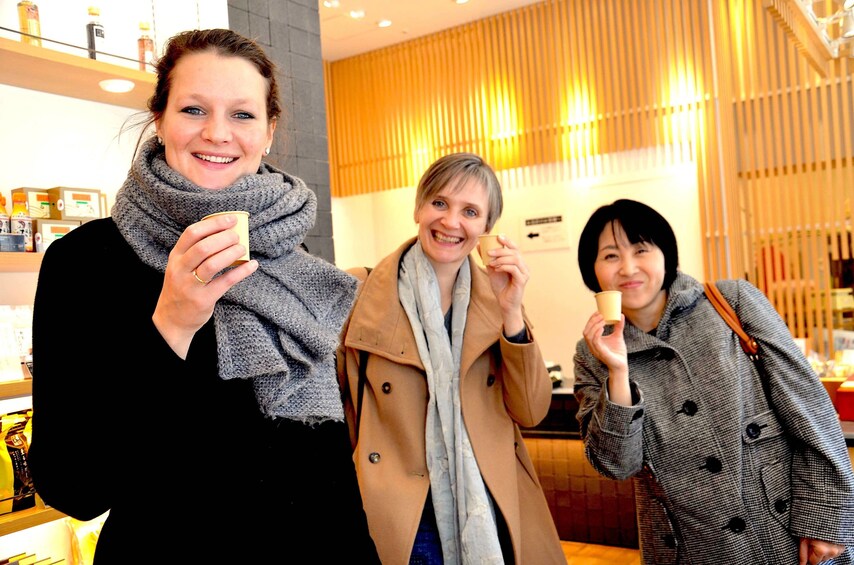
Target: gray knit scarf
280,326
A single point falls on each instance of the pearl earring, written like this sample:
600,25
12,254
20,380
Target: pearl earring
159,140
266,151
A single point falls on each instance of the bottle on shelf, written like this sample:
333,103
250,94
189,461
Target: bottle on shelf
94,33
146,48
28,20
21,221
4,216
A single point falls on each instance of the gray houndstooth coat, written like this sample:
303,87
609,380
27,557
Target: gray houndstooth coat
721,475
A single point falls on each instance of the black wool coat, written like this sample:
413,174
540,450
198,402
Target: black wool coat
182,459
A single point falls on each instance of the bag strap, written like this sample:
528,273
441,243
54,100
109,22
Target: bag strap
748,344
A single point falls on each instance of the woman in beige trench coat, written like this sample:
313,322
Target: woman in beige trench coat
439,368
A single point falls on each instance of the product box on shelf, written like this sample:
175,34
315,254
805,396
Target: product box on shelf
82,204
845,400
16,484
12,242
38,201
47,231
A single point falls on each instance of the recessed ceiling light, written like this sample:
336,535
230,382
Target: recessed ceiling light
384,23
331,3
116,85
357,14
461,1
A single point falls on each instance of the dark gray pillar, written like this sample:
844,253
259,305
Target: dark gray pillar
289,31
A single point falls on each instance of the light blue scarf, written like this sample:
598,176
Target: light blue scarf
464,512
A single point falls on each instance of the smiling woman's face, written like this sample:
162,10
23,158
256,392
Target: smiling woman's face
635,269
215,127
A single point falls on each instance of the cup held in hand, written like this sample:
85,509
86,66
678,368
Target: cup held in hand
242,229
487,242
608,302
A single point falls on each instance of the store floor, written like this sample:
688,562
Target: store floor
578,553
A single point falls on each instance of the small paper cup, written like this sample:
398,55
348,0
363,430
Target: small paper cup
608,302
242,229
487,242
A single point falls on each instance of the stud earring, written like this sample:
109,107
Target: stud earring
266,151
159,140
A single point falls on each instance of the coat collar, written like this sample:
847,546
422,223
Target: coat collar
682,296
379,324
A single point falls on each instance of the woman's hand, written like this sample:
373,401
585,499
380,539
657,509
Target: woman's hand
508,275
191,286
611,350
814,551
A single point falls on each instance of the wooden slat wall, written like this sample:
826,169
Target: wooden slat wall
572,82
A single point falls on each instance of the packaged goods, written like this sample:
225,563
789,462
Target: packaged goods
37,199
12,242
20,221
146,48
29,23
81,204
4,216
16,485
47,231
94,33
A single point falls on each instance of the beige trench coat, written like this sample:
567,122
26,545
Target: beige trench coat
503,385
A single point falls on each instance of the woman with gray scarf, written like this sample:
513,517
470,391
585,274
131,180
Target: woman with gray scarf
208,411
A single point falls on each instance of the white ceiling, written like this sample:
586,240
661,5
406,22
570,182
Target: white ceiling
342,36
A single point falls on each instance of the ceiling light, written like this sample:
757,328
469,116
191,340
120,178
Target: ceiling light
331,3
384,23
116,85
848,24
466,1
357,14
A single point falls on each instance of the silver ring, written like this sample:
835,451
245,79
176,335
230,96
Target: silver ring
198,278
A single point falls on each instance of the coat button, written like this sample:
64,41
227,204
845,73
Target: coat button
374,457
669,541
490,380
753,430
386,388
781,506
713,465
689,408
735,525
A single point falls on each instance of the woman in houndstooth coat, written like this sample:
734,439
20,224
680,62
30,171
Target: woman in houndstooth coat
723,473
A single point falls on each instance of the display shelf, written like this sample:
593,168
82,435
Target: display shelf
14,389
20,262
23,519
47,70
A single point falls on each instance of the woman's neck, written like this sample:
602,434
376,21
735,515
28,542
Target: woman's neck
446,275
647,318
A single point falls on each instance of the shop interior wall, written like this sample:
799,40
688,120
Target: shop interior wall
368,227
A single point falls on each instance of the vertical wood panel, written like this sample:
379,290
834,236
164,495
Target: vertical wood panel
574,82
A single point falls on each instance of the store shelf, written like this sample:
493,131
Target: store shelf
14,389
23,519
12,262
41,68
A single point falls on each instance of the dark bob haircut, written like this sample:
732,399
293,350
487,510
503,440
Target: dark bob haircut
641,224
